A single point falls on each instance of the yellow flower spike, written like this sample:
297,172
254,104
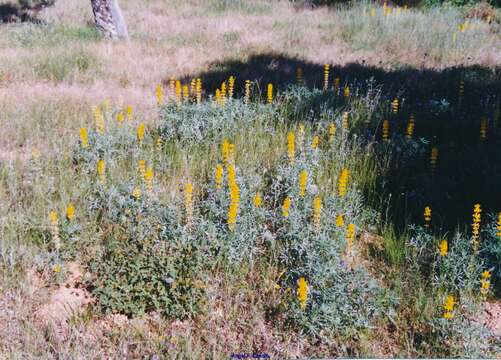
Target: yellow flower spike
172,86
120,118
394,106
234,198
373,12
337,84
247,91
475,226
57,268
427,216
140,133
54,229
231,86
84,138
483,129
344,120
433,159
314,142
269,93
317,212
217,97
303,181
159,144
178,92
188,203
223,90
219,177
186,93
136,193
386,130
326,76
258,200
299,75
286,207
291,146
99,120
302,292
443,247
128,111
193,86
159,93
486,274
70,212
410,127
225,151
141,167
198,89
346,92
350,236
448,306
148,179
332,132
340,220
101,170
343,182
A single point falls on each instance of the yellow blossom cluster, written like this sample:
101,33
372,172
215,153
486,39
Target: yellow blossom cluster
343,182
475,226
302,292
448,306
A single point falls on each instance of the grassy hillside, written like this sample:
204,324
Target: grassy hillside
251,177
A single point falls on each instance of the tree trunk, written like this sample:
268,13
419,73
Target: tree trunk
109,19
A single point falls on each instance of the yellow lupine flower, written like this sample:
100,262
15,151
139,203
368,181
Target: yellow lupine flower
317,211
340,220
291,146
198,89
337,84
269,93
314,142
186,93
57,268
178,91
343,182
193,86
326,76
225,151
101,170
344,120
172,86
223,91
410,127
84,138
141,167
286,207
120,118
477,211
159,93
136,193
232,175
234,203
148,178
219,176
247,91
346,92
231,86
394,106
433,159
299,75
128,111
485,282
303,181
99,120
332,132
427,216
386,130
448,306
350,236
70,212
302,292
140,133
257,200
443,247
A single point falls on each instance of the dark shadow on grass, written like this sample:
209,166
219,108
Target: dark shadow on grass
468,170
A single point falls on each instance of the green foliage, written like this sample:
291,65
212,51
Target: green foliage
63,66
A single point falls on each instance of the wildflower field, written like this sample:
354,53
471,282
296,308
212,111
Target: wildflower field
272,200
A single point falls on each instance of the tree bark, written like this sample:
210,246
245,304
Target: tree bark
109,20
